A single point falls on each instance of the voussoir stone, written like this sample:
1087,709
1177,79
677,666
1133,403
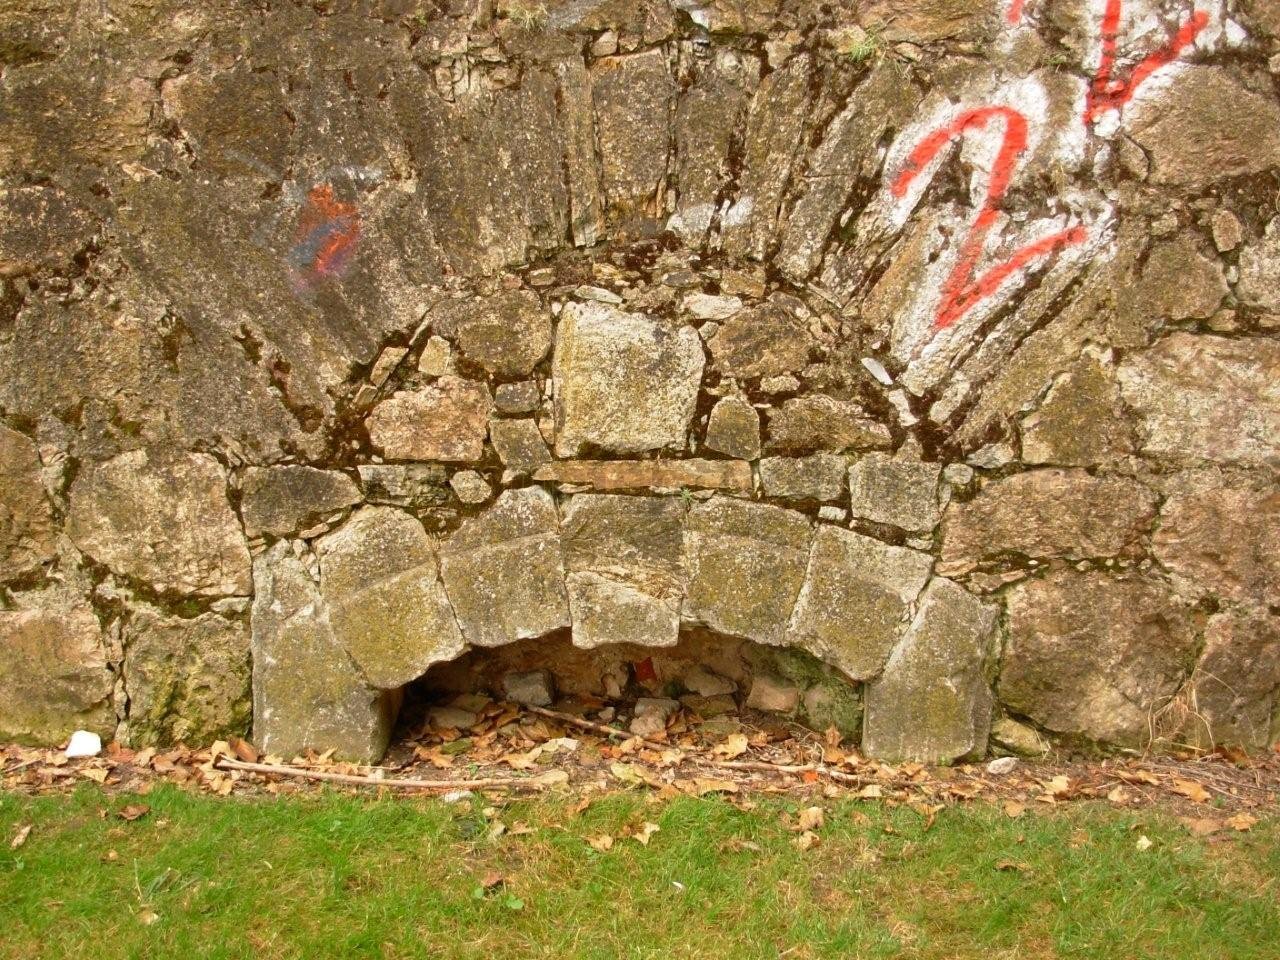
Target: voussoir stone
624,382
282,500
54,676
1220,533
1094,656
855,598
188,680
733,428
27,537
307,691
746,563
447,420
503,570
933,703
163,519
1235,688
624,569
1206,397
1049,513
380,578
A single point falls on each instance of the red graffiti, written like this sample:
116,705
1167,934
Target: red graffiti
326,236
1015,11
963,289
1108,92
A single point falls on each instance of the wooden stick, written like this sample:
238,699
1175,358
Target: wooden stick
528,783
767,767
592,725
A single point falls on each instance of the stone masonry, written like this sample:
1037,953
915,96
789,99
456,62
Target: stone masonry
338,340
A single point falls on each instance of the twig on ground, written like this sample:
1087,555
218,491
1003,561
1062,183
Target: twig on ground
592,725
271,769
766,767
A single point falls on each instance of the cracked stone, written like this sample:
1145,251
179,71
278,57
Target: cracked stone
624,382
519,444
733,429
27,533
447,420
282,500
507,333
902,493
816,477
163,519
932,703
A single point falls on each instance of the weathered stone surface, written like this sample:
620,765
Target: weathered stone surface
415,485
732,475
772,142
1206,127
761,341
625,569
816,477
1177,282
634,98
379,578
522,397
1206,398
1219,534
504,573
519,443
40,228
1260,270
773,695
27,536
833,702
1080,423
925,21
624,383
746,563
282,500
307,691
1234,690
507,332
162,519
1049,513
470,487
902,493
54,677
932,703
856,595
188,680
733,428
820,422
1010,737
447,420
1093,656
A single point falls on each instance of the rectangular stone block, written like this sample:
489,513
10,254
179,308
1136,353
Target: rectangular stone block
731,475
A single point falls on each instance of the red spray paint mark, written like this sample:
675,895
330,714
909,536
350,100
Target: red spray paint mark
1015,11
325,238
963,290
1108,92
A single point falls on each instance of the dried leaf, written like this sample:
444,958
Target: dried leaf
1144,843
807,840
646,831
602,843
1006,865
552,778
492,879
244,750
1014,809
96,774
735,745
1241,822
705,785
1139,776
1118,795
871,791
1201,827
20,837
811,818
133,811
1059,786
147,917
1192,791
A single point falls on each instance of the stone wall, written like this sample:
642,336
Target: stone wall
939,339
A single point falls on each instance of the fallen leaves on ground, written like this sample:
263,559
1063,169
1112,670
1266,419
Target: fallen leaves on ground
20,837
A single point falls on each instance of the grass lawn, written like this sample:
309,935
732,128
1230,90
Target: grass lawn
332,875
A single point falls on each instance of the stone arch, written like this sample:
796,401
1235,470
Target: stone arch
342,626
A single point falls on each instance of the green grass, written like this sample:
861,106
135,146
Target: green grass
329,875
